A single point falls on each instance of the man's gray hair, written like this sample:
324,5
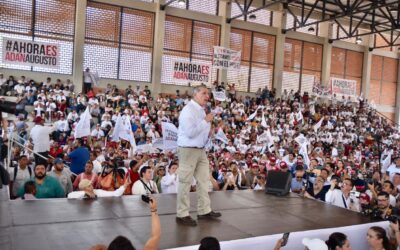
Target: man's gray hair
198,88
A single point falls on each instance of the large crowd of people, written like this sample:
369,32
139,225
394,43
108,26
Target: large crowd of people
338,150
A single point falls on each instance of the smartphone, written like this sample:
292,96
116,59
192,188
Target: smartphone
285,239
145,198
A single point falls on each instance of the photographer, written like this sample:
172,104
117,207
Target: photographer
383,210
342,197
145,185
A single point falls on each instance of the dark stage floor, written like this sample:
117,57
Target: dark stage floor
76,224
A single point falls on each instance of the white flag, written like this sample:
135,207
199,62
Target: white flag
95,78
251,117
82,129
299,117
170,136
318,125
329,125
301,139
220,135
123,130
263,121
304,152
219,95
303,142
387,161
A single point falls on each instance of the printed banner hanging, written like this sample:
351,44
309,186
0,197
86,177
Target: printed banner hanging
30,53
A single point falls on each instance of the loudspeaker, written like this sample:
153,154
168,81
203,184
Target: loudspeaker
8,107
278,183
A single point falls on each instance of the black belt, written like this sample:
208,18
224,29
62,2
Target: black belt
194,147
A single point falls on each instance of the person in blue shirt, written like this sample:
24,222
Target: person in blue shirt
79,157
46,186
298,182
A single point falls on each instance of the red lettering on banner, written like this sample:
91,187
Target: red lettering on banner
15,57
180,75
55,50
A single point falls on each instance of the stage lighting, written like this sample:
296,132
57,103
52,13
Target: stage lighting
311,29
252,17
358,40
181,2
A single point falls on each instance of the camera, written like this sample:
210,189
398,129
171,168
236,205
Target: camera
376,214
146,198
393,218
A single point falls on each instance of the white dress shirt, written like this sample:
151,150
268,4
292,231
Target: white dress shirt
336,198
193,128
169,184
40,138
99,193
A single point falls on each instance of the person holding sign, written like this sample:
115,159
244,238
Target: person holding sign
193,132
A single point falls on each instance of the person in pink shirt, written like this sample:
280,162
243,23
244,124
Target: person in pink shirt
87,174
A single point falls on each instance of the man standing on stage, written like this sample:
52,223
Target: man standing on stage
193,132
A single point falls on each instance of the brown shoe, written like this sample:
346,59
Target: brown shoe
187,221
210,215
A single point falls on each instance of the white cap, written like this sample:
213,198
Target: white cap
314,244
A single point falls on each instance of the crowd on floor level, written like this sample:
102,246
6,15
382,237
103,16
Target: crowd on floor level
339,151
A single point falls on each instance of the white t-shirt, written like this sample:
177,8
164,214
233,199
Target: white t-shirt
392,170
40,138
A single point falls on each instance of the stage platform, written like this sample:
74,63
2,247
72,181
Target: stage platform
79,224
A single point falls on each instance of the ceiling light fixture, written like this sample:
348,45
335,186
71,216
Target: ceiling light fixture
358,40
181,2
252,17
311,29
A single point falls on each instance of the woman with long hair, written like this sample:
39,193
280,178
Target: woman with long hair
377,239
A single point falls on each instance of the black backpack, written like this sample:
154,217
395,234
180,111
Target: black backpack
16,171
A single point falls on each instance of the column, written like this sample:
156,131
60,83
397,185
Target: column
367,63
326,30
397,108
79,43
224,11
159,32
280,21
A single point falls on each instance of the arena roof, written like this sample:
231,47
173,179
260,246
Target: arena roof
355,18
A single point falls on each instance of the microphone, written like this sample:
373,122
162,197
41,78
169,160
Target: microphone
207,109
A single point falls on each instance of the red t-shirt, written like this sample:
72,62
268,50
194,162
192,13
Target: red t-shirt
134,176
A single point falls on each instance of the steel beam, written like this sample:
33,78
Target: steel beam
246,12
356,8
163,6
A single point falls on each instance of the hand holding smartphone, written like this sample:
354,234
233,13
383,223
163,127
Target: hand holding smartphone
285,239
